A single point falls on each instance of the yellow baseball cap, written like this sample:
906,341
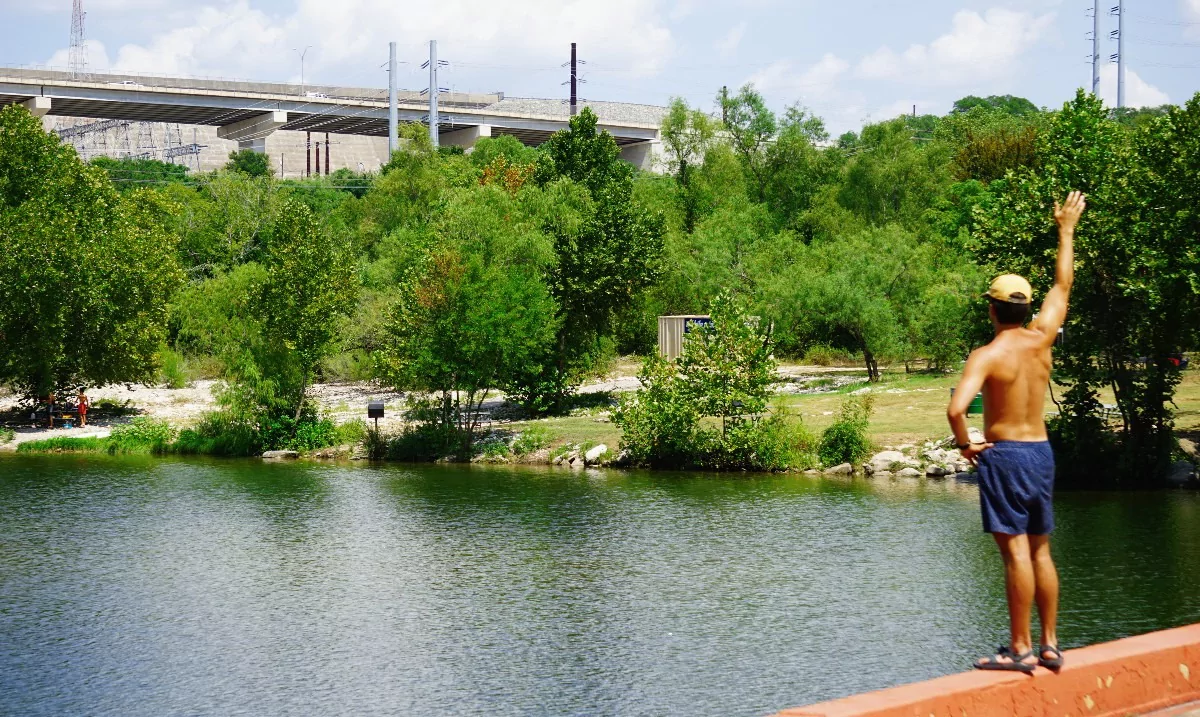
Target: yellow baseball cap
1011,288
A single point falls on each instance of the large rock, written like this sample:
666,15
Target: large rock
844,469
280,455
939,456
935,471
594,455
885,460
909,473
1188,447
1180,473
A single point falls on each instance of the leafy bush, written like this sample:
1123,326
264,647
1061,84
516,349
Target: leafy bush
311,435
141,435
533,438
172,371
493,447
423,443
822,355
725,372
65,444
6,435
218,434
351,432
845,441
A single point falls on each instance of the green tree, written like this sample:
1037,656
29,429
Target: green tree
487,149
891,178
603,262
129,173
310,283
250,163
1137,276
751,126
1008,104
796,169
861,292
687,135
85,273
473,316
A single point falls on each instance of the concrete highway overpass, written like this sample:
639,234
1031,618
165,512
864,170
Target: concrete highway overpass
249,113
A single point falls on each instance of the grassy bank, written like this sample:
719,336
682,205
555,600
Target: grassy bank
908,408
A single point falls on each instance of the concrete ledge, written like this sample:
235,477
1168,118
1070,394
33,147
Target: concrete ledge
1127,677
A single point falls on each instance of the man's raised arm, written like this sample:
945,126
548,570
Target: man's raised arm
1054,308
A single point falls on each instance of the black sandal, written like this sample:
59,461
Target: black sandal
1055,663
1017,663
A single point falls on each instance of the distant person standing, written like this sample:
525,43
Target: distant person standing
1016,465
82,400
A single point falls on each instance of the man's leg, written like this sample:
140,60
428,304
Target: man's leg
1019,585
1046,592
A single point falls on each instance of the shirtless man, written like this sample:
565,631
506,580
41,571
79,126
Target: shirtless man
1016,466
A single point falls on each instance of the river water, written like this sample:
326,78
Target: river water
134,586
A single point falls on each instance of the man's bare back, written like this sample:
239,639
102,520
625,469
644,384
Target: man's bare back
1017,368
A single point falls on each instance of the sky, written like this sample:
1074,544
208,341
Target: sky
851,62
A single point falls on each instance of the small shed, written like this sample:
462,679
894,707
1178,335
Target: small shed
672,329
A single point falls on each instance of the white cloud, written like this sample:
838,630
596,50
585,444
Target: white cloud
782,79
977,47
1138,92
1191,12
97,57
728,44
236,39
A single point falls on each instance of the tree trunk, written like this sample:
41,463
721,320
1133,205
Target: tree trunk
872,364
300,402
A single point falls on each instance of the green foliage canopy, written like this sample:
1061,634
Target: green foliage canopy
85,273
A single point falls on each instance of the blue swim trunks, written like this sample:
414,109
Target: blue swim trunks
1016,488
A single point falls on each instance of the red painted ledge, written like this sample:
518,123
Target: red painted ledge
1127,677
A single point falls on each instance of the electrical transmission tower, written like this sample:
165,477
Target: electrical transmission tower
1119,58
77,62
435,119
1096,48
575,80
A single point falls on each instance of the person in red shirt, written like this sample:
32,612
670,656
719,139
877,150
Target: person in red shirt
83,408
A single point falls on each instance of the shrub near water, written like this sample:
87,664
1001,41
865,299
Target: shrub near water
724,375
845,441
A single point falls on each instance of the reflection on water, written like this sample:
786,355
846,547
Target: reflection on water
150,587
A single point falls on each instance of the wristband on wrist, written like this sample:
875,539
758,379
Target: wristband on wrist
965,446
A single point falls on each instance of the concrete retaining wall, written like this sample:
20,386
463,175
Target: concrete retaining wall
1127,677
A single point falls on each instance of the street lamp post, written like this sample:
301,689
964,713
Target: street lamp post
302,54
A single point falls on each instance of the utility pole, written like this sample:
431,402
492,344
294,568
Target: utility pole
574,81
724,100
433,94
1120,53
434,118
326,154
392,115
308,154
1096,48
1119,36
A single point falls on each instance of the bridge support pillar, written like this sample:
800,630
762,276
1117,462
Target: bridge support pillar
643,155
37,106
467,137
252,133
